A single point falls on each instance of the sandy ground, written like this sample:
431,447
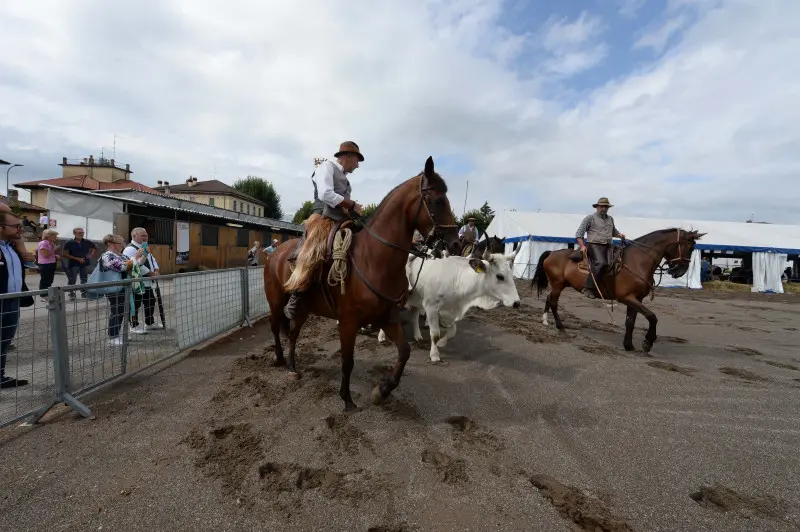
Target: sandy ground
521,428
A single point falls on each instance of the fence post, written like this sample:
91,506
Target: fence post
126,320
60,352
245,287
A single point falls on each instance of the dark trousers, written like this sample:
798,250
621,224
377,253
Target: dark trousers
9,318
116,307
48,273
600,257
72,275
147,299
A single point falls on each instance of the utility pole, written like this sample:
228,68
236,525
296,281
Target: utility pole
464,211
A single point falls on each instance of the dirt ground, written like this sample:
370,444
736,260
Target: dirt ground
521,428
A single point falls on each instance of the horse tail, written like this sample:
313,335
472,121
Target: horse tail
540,276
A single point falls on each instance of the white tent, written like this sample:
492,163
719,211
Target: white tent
769,243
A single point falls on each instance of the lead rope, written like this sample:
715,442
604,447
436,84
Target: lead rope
341,246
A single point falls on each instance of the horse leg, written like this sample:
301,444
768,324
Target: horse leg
650,337
552,300
276,319
630,321
394,331
294,331
348,331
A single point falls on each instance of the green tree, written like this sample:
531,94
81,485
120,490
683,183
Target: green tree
368,209
487,213
263,191
303,212
480,221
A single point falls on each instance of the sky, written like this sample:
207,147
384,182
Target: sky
671,108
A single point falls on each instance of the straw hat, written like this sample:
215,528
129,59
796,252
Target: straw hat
602,202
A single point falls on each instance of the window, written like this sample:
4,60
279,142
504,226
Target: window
243,238
248,208
234,205
211,201
259,211
209,235
241,206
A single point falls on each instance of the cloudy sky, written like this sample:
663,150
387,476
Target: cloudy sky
677,108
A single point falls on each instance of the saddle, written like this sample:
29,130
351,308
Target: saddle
583,264
338,226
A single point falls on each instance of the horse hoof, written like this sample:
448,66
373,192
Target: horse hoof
647,346
278,362
377,397
628,347
351,408
293,376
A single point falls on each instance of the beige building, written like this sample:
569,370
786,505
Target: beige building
85,174
214,193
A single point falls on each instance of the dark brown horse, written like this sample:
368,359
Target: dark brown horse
630,285
376,282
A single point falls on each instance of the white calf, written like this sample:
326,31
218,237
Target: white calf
448,288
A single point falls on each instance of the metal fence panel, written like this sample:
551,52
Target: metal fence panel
68,344
207,305
26,344
257,301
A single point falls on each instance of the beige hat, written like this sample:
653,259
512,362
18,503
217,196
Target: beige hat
602,202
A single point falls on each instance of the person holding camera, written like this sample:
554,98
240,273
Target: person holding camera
148,267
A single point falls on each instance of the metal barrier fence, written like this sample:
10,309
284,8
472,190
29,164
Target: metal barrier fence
67,344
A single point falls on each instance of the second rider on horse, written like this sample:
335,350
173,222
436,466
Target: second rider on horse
334,193
598,229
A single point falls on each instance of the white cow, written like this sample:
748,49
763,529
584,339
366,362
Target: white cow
449,287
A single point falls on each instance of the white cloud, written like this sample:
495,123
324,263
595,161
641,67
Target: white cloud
629,8
252,89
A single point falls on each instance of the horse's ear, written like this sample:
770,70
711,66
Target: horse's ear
429,171
698,236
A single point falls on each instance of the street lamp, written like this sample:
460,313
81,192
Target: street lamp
8,188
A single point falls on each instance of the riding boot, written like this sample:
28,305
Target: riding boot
588,289
290,310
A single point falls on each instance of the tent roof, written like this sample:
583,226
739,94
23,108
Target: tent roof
730,236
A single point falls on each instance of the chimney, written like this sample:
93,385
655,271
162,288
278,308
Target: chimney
63,160
13,197
91,160
160,182
112,162
166,187
127,167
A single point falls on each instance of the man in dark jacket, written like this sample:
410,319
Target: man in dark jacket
12,280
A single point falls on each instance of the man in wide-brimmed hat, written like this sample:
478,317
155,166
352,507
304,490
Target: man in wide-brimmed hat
594,237
469,235
332,189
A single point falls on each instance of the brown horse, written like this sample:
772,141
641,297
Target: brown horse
376,285
632,282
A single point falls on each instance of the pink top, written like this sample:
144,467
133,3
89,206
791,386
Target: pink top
45,244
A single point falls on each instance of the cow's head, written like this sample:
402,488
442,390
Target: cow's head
497,281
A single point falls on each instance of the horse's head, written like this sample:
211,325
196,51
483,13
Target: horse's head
678,253
439,223
496,244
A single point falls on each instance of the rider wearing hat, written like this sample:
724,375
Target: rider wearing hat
468,235
333,190
598,229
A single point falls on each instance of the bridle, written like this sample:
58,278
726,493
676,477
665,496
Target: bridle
436,232
672,263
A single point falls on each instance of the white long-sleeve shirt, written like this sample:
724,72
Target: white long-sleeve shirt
147,262
324,179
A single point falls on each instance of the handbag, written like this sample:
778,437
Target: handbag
102,275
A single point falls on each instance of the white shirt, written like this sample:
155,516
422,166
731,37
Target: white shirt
465,227
147,262
44,220
324,178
